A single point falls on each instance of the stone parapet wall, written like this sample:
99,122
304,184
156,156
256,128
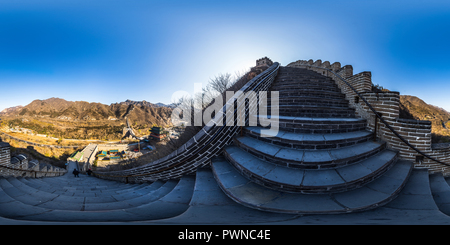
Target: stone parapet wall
387,104
5,157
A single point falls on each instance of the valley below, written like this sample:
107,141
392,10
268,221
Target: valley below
60,119
412,107
51,130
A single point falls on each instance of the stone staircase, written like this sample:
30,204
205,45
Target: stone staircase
90,199
321,167
331,166
308,94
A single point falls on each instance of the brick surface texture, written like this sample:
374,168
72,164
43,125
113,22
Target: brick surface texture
417,133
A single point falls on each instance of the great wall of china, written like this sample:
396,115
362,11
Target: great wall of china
339,155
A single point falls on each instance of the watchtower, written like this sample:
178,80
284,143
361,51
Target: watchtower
264,62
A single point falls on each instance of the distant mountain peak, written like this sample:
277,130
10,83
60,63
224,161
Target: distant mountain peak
57,108
146,103
164,105
10,109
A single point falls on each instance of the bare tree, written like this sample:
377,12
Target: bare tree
238,75
208,95
221,83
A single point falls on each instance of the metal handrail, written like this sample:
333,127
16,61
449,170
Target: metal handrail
378,116
250,87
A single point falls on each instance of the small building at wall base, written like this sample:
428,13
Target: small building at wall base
76,156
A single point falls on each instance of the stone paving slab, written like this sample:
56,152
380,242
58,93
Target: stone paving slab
17,210
316,119
103,199
63,205
326,177
105,206
5,197
292,154
209,205
417,193
207,192
313,157
152,196
286,175
5,184
172,204
361,198
307,156
441,192
85,216
232,213
393,178
36,198
231,179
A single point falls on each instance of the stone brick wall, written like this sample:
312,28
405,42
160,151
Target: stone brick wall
5,156
21,166
417,133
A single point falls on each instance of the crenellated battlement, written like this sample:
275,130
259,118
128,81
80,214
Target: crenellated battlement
387,104
264,62
20,165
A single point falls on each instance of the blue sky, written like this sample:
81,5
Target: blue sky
110,51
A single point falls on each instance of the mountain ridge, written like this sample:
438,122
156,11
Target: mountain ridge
412,107
61,109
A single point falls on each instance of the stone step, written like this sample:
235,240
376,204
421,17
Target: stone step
111,202
303,83
308,141
309,100
87,201
210,205
22,193
300,78
303,86
13,209
313,111
306,159
309,181
173,204
310,92
132,197
70,189
374,194
441,192
447,179
312,125
306,79
297,71
301,73
81,182
416,195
